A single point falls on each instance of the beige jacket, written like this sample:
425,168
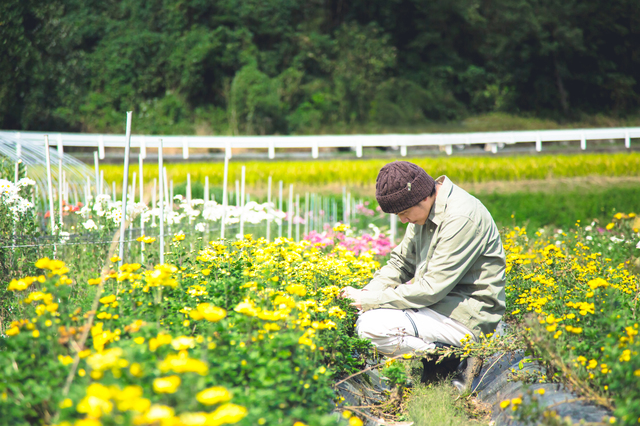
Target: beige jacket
456,261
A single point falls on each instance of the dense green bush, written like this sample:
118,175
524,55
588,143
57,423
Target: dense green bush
254,67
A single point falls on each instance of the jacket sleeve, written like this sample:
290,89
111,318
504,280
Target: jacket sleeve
457,248
400,268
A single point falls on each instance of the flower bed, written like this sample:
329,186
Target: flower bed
579,302
249,332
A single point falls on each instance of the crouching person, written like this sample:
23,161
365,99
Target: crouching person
445,280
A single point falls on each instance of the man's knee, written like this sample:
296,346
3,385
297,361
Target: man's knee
368,327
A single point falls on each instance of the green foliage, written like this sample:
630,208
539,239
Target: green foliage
560,207
302,67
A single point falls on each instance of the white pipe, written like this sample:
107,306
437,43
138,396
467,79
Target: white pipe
298,216
125,183
242,203
165,186
49,183
60,154
133,188
141,179
161,189
290,210
280,208
269,207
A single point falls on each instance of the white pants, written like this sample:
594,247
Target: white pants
396,331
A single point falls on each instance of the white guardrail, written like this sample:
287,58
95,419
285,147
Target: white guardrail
314,143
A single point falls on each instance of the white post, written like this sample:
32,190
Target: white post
60,183
627,140
280,208
206,189
133,188
290,211
17,177
113,188
141,179
101,147
298,217
125,183
49,183
101,182
583,142
225,180
165,186
65,188
348,207
268,207
185,148
161,189
242,203
96,167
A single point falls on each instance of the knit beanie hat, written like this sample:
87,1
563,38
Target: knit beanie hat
401,185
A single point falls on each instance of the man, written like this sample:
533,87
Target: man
445,281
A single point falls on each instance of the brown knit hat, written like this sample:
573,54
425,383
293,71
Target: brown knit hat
401,185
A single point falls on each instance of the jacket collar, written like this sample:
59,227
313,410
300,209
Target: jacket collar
437,211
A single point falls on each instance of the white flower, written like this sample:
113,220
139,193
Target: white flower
617,240
638,245
589,237
201,227
90,224
588,228
26,182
